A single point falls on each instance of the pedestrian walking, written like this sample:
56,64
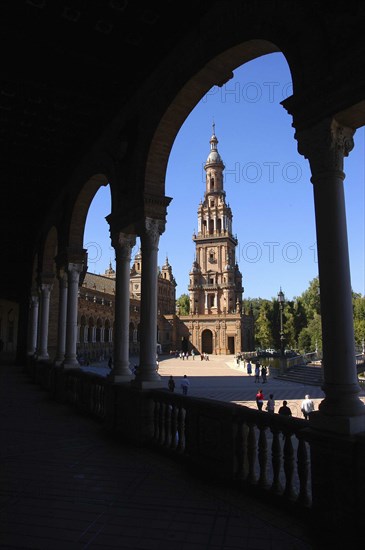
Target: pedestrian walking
110,362
259,399
249,368
307,406
185,385
284,410
193,354
257,373
270,405
171,384
263,374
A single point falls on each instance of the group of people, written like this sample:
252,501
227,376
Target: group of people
185,383
185,354
260,372
307,405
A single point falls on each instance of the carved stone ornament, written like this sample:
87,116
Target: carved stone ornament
123,244
74,271
152,231
325,146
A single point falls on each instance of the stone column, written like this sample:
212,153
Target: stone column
123,244
62,316
147,375
42,352
325,146
73,279
33,324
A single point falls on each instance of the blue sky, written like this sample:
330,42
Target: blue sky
267,185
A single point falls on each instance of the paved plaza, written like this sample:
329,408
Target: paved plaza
220,378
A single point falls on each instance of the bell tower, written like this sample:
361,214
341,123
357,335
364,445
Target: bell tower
215,285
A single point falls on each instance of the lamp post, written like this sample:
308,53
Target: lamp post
281,300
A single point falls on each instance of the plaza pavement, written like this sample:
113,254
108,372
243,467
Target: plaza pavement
220,378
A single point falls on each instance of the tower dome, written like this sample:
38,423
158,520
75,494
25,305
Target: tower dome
214,157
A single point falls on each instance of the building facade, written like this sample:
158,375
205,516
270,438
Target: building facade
96,311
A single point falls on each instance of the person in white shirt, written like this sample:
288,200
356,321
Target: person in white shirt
307,406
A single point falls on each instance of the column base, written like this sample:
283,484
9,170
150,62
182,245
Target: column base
147,384
119,378
71,364
344,425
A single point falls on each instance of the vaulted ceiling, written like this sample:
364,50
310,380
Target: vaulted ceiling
69,66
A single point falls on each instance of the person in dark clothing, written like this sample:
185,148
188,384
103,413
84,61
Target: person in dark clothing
263,374
284,409
171,384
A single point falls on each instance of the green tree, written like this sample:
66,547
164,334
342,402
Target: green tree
359,319
255,303
315,332
310,337
304,341
263,330
289,326
183,304
299,318
310,299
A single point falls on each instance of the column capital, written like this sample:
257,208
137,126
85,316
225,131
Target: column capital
45,279
62,275
33,300
74,270
151,232
123,244
325,145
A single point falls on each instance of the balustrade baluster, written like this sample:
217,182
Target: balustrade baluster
289,467
262,458
156,431
251,454
303,473
167,425
181,430
239,450
276,486
174,433
161,424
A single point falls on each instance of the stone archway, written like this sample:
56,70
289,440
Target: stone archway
207,341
